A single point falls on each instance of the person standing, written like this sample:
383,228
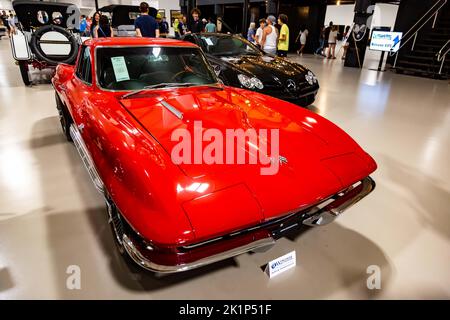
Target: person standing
182,26
94,24
326,35
319,50
163,27
259,32
4,18
195,25
146,25
270,36
210,26
332,38
176,22
346,44
283,41
83,25
204,22
251,32
303,37
12,25
103,29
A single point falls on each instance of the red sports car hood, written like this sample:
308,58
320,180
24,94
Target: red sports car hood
319,159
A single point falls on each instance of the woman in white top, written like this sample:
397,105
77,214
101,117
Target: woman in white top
332,38
302,35
270,36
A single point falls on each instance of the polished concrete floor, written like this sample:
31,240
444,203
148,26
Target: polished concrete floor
51,216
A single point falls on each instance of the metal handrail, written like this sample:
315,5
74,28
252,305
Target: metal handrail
434,13
441,55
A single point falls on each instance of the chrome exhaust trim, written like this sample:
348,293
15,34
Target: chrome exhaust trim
86,157
133,252
342,202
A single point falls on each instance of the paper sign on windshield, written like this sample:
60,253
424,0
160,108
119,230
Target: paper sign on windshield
120,69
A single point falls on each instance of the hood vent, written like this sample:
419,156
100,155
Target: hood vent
172,109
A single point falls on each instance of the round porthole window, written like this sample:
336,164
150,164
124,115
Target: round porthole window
42,17
57,18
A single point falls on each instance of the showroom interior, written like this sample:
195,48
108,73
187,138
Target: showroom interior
390,108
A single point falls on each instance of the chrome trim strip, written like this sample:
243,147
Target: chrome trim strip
86,157
172,109
329,213
261,244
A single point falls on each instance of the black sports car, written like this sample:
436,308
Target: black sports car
239,63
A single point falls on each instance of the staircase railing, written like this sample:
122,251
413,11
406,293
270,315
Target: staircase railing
442,54
411,34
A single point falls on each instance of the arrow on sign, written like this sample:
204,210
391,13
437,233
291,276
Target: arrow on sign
396,40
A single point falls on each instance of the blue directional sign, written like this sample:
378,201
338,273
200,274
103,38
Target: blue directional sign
385,41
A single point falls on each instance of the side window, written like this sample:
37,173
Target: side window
84,65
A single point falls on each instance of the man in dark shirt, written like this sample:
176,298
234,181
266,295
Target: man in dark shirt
195,25
146,26
163,27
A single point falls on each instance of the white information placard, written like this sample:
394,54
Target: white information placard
120,69
281,264
385,41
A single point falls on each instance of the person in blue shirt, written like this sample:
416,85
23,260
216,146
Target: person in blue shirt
210,26
146,26
83,25
251,33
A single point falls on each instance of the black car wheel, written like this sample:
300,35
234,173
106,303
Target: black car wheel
64,117
23,66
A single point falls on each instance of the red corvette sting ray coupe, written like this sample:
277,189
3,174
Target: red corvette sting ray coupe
121,105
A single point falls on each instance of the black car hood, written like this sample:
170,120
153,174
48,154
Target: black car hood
263,67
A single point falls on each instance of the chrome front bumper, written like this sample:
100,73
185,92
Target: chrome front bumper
341,202
320,215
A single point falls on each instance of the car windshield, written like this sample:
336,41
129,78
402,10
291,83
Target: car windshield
134,68
223,45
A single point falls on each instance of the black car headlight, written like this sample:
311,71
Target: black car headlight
310,78
249,82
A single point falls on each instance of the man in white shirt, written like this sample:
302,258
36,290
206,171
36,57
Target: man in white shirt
259,32
270,36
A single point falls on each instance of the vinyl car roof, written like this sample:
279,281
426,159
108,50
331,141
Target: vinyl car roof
134,41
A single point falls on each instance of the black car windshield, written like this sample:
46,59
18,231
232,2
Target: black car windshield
133,68
226,45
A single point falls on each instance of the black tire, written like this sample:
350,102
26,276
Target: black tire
40,54
64,117
23,66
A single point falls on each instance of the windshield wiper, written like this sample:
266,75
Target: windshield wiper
159,85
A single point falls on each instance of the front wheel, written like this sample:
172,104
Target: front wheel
23,66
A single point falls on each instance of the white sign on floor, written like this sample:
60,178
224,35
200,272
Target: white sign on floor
281,264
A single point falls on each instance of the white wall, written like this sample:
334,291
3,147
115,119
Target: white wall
340,15
5,5
384,15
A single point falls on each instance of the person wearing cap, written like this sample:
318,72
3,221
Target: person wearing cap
270,36
163,26
146,26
